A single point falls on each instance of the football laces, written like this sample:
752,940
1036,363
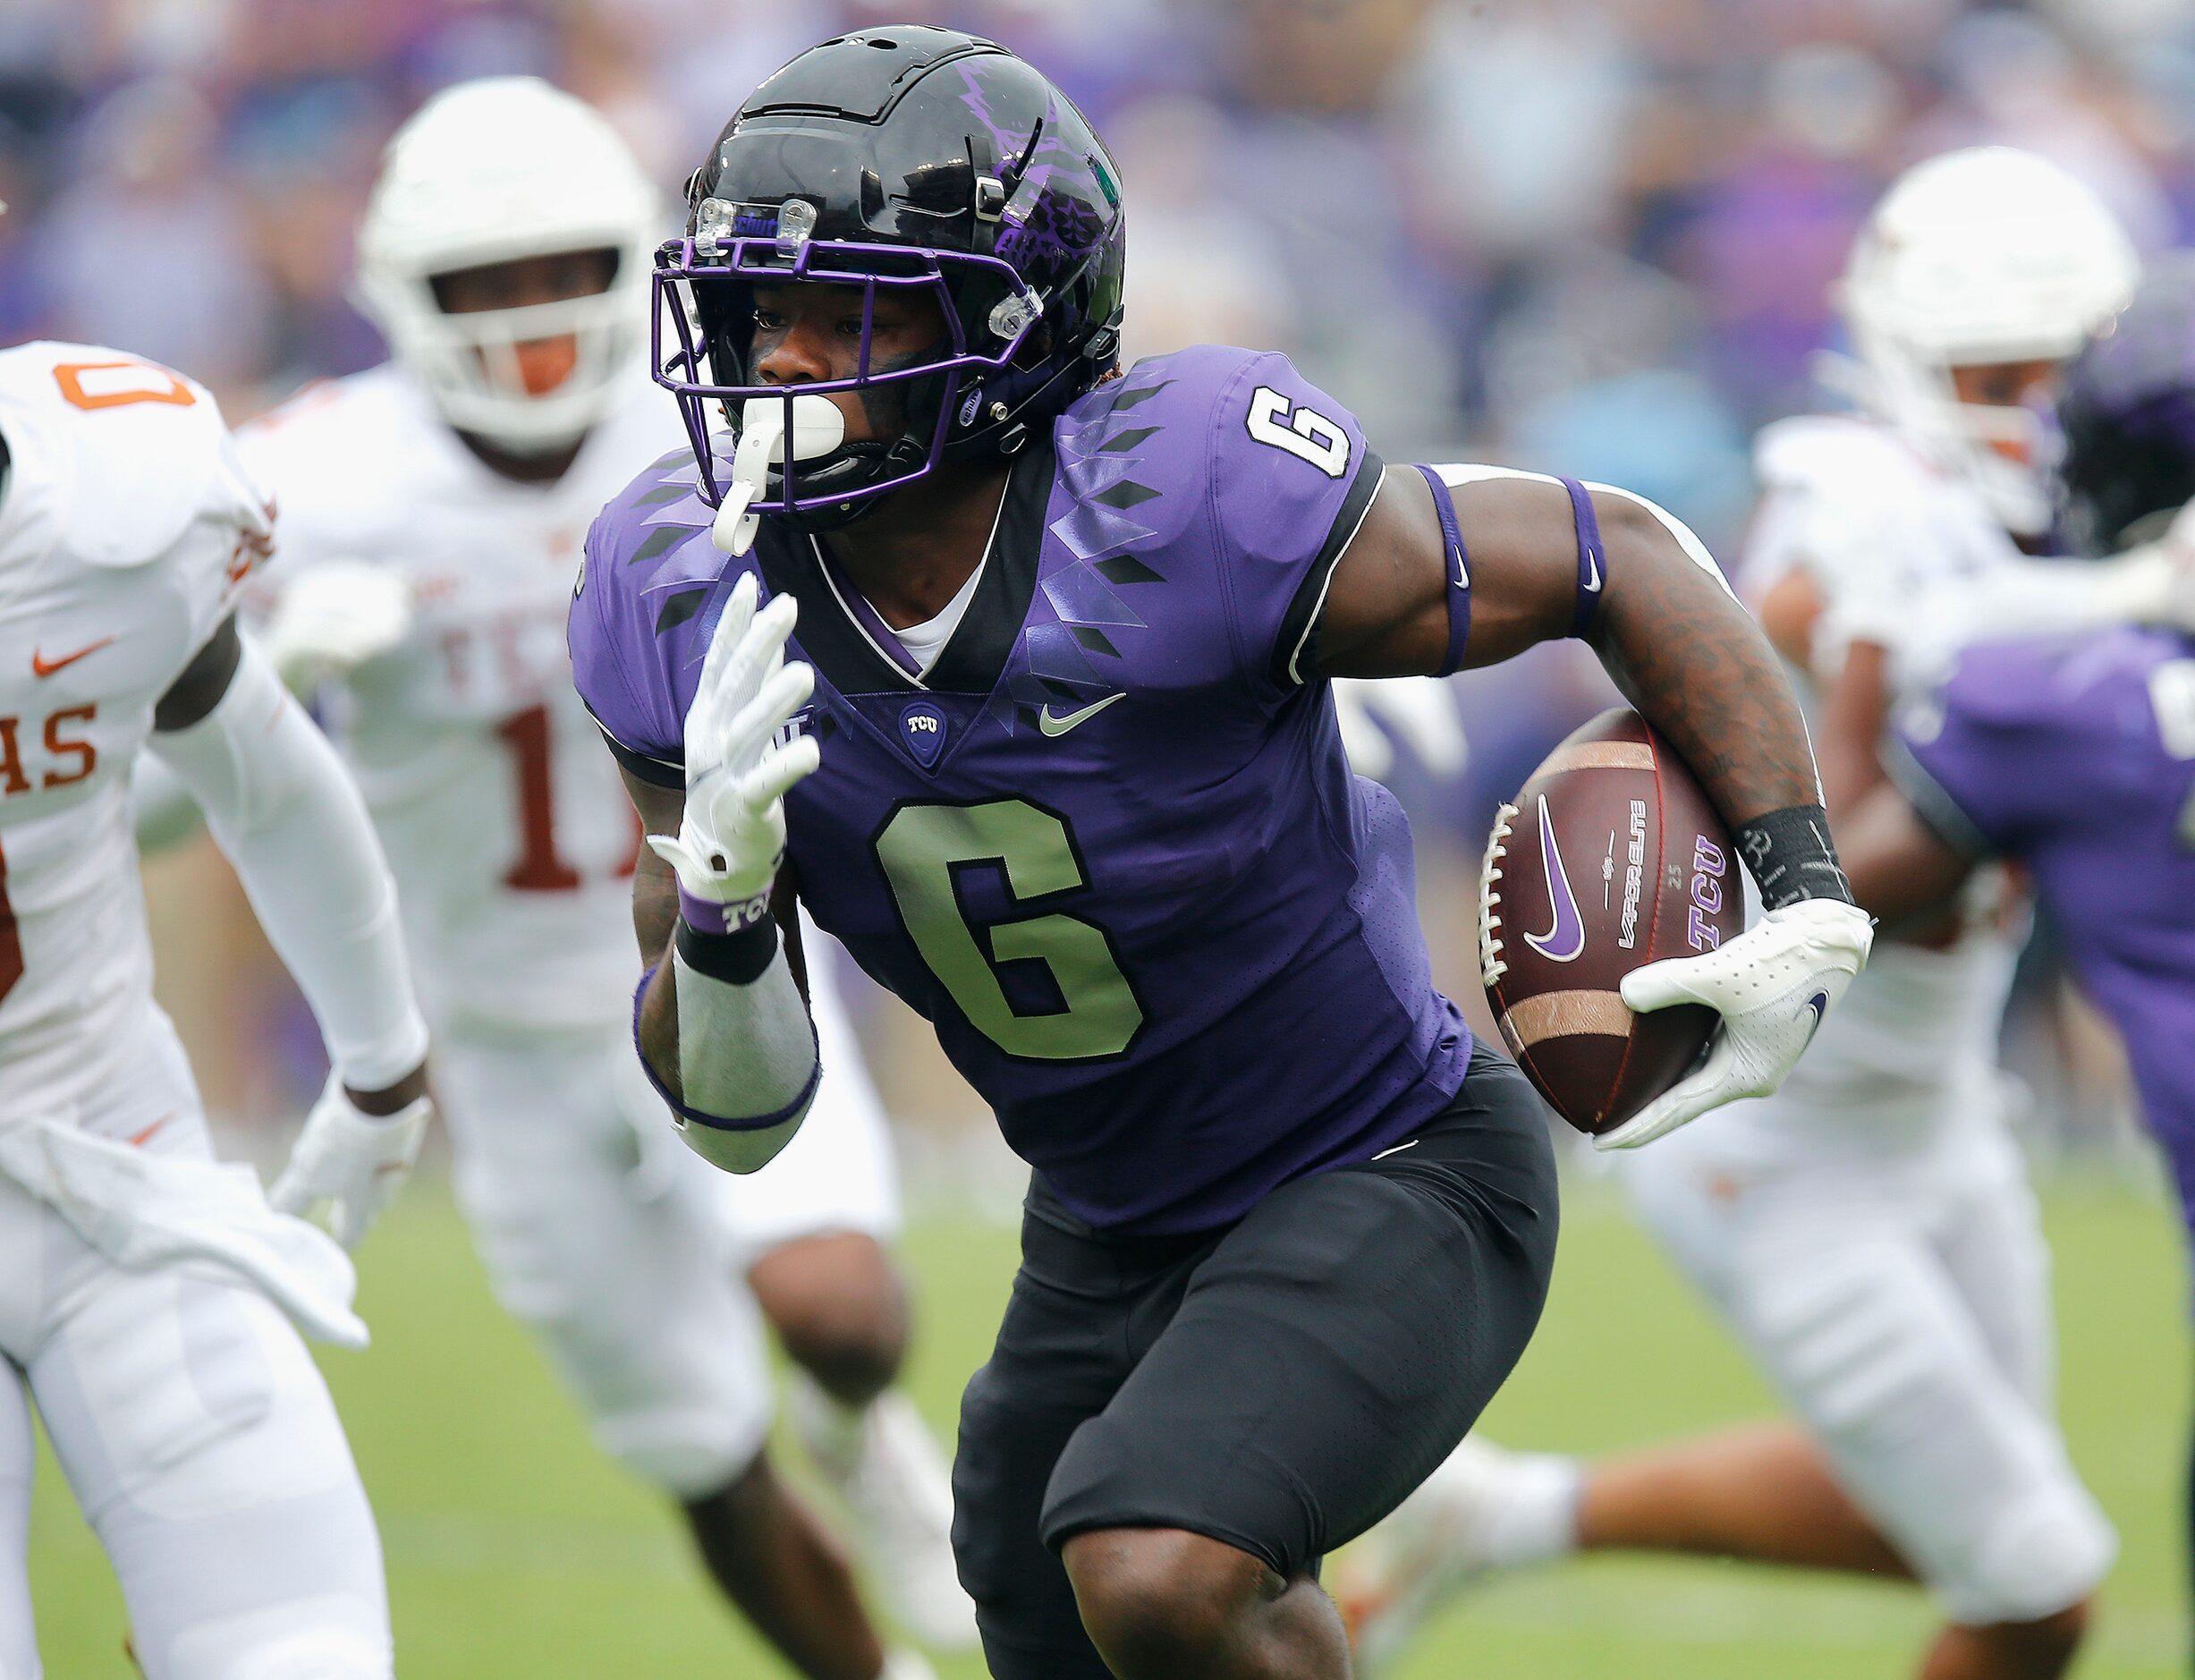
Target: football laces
1491,965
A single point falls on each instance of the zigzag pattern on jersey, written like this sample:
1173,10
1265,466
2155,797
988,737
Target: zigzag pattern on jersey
679,515
1100,443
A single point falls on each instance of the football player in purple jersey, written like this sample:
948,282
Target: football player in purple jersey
2075,755
1058,761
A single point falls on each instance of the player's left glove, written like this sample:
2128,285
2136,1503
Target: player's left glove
738,768
333,618
1772,985
353,1160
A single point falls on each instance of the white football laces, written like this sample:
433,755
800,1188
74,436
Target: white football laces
1491,963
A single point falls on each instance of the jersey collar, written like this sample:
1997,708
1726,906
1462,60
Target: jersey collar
849,645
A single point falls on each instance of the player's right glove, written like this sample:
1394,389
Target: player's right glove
353,1160
331,619
1772,985
738,768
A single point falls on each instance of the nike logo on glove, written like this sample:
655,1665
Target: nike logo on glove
42,666
1052,725
1819,1003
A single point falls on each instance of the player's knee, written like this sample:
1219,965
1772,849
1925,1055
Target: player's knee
1161,1602
839,1305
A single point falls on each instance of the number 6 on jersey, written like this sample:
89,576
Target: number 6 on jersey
920,849
1305,433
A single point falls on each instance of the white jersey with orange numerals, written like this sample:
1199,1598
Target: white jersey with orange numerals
127,525
504,820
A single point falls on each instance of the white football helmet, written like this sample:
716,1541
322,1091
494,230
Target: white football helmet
491,171
1985,255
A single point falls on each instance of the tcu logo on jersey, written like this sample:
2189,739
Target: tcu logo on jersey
65,760
922,731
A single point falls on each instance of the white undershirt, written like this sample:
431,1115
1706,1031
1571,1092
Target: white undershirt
926,641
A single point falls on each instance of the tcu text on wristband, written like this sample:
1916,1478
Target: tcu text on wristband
711,915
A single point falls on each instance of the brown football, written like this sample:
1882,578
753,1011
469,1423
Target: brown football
1610,859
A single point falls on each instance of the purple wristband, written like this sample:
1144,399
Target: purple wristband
1592,559
1459,570
718,916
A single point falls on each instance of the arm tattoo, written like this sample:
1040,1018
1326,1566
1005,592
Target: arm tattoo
1694,663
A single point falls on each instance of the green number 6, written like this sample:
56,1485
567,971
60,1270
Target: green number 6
920,848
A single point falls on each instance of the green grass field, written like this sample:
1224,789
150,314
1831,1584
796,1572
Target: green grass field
515,1551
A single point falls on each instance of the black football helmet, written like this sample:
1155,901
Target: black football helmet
904,156
2128,412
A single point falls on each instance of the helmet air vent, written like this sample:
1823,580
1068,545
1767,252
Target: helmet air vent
796,226
1013,315
715,219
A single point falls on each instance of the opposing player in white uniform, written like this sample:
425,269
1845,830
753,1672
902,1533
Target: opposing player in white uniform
1867,1232
143,1287
433,510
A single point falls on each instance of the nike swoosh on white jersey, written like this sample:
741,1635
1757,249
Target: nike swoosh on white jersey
1052,725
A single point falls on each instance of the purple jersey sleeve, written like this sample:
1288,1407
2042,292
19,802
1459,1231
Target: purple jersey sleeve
2019,736
646,564
1290,479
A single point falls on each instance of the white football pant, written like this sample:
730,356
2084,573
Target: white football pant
626,1252
1901,1303
195,1433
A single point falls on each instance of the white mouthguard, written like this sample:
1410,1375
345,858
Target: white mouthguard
817,428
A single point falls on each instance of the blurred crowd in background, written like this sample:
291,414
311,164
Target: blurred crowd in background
1592,235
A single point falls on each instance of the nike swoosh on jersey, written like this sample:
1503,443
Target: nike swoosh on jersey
43,667
1565,941
1052,725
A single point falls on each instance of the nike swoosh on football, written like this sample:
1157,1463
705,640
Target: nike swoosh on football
1565,941
1052,725
43,667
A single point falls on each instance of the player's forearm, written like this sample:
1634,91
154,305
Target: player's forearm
1687,655
290,821
1900,868
2020,598
723,1028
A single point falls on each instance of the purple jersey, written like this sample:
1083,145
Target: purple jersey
1109,844
2077,758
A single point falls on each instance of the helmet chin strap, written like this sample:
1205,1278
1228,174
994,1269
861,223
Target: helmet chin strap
817,428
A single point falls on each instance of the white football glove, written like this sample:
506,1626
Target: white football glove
331,619
1772,985
733,836
353,1161
1418,711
